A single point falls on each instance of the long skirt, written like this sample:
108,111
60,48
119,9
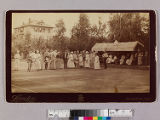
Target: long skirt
38,64
33,66
59,63
17,64
81,62
87,64
97,65
53,64
70,64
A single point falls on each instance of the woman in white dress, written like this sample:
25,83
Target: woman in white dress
122,60
129,60
97,62
34,63
87,60
38,60
80,60
17,58
70,63
53,60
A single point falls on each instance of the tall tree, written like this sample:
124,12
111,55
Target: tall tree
27,38
80,34
99,31
127,26
59,37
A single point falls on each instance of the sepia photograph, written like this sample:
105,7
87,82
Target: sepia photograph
67,52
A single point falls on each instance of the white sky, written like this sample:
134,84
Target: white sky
70,19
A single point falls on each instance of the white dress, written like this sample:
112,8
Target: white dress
53,60
80,59
38,61
87,61
70,63
17,61
97,63
34,65
122,60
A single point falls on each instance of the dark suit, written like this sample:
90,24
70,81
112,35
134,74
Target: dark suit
65,58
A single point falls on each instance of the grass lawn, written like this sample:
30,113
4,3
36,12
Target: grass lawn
109,80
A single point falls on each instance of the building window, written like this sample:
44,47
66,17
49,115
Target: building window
21,29
43,29
49,30
40,29
35,29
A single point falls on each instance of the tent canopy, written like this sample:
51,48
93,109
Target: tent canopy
117,46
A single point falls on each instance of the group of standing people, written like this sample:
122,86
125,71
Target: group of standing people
47,60
34,60
53,59
70,59
82,59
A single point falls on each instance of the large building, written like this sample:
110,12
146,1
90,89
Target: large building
35,29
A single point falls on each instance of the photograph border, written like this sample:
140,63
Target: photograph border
81,97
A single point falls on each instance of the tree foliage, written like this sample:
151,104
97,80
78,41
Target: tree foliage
59,37
126,27
80,32
123,27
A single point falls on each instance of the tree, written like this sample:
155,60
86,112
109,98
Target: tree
59,37
80,34
99,32
27,38
130,27
38,44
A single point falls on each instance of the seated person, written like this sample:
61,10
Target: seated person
109,59
129,60
122,60
115,59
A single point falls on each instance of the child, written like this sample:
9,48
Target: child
46,61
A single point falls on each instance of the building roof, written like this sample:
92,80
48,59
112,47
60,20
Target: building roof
117,46
33,26
34,23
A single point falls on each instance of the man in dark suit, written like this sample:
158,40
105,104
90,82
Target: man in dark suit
105,56
65,58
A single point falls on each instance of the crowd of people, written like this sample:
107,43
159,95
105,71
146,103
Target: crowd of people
53,59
